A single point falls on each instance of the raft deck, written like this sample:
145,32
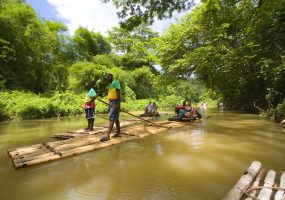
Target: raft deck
255,183
54,150
97,129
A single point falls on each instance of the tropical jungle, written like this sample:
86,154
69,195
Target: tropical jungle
230,51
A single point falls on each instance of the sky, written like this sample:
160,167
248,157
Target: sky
91,14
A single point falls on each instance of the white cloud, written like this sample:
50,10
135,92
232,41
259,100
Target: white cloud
95,15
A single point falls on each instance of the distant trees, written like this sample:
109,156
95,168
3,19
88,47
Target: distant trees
135,48
35,53
235,47
89,44
28,49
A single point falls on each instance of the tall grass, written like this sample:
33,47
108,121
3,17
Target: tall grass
26,105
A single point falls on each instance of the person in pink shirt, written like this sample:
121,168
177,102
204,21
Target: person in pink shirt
89,106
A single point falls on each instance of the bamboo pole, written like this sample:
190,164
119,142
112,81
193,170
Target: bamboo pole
27,159
22,149
280,194
29,154
253,193
266,192
132,114
102,117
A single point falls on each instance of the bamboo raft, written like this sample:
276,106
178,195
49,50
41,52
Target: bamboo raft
54,150
180,119
255,183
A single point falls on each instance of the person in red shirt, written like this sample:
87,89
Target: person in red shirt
180,107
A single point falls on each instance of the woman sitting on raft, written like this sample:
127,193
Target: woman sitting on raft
178,108
187,111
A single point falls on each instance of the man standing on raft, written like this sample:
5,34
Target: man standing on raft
114,97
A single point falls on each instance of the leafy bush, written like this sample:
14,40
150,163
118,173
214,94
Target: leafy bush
3,114
170,101
278,114
23,105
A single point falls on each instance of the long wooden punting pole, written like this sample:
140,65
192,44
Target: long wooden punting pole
134,115
244,182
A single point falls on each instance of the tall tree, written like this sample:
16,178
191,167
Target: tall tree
90,44
136,47
30,47
224,44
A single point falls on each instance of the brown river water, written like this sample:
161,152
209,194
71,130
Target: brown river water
199,161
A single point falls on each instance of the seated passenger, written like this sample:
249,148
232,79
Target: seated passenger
188,110
180,108
153,110
148,108
220,105
191,112
196,114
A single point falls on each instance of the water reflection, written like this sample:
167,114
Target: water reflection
197,138
159,149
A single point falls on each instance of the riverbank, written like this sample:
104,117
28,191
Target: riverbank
16,105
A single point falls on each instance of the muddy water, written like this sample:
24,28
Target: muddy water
199,161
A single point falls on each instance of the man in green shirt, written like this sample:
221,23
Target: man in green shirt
114,97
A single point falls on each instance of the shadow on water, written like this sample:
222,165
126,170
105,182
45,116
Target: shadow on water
199,161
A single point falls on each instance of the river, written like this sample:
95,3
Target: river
199,161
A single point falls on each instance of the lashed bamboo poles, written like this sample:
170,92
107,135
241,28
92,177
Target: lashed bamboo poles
48,151
267,191
252,194
82,133
244,182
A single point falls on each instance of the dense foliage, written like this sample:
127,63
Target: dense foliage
235,47
23,105
228,50
29,49
136,12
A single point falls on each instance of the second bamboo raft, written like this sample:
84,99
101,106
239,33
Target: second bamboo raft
256,184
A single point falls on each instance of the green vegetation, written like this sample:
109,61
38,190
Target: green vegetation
231,51
23,105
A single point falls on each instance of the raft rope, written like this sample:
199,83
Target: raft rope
259,188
